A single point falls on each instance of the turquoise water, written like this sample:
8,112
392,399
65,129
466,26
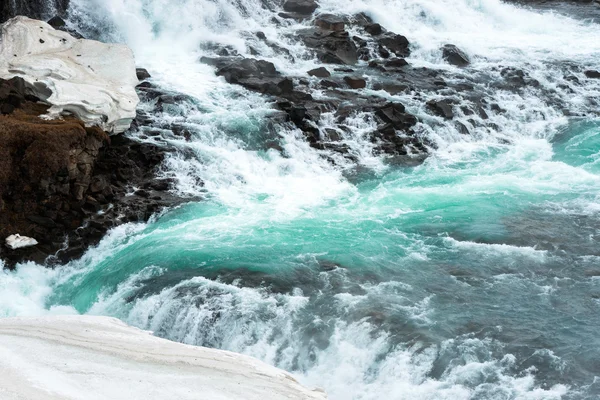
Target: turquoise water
474,279
472,276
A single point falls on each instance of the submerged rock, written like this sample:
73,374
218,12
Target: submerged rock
74,76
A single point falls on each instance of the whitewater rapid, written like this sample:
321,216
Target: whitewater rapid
466,277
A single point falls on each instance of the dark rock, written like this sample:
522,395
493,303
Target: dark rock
396,63
257,75
592,74
391,87
442,108
43,221
327,84
238,69
55,177
517,78
395,43
142,74
330,22
36,9
455,56
57,22
374,29
297,113
320,72
396,115
355,82
302,7
328,265
462,128
330,47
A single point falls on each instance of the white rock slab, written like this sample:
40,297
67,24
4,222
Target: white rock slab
94,81
17,241
99,358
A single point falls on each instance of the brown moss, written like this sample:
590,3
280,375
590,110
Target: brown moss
32,149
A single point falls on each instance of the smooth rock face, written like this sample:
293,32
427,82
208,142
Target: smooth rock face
75,76
85,357
17,241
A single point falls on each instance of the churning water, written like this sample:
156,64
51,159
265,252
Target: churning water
475,275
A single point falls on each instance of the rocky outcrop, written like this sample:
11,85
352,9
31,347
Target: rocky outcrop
73,76
340,85
123,362
62,183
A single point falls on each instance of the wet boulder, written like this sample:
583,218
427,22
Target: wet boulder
302,7
320,72
330,22
330,47
256,75
142,74
442,108
355,82
455,56
392,88
394,43
517,78
592,74
396,63
244,68
395,114
374,29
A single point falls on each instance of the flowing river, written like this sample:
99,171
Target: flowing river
474,275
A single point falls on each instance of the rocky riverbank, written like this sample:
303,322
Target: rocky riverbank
64,181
